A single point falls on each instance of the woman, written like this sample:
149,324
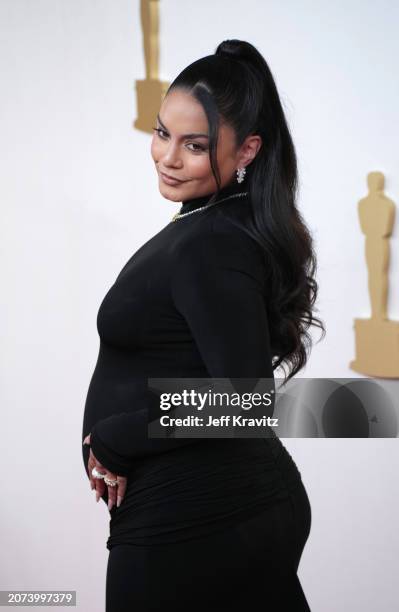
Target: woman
226,289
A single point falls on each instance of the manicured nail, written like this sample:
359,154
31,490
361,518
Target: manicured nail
110,504
118,501
97,496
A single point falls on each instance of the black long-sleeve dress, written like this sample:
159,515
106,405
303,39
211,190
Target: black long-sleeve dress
191,302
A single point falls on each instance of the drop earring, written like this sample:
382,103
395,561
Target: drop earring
240,174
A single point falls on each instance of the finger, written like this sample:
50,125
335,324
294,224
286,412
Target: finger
100,488
87,439
90,466
99,484
112,491
94,463
122,483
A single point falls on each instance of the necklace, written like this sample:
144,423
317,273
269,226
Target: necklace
190,212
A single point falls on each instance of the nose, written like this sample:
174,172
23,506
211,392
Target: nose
171,157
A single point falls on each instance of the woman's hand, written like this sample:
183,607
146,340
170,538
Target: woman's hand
116,493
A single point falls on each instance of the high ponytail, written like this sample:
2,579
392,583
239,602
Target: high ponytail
236,84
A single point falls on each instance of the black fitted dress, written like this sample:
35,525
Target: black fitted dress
205,524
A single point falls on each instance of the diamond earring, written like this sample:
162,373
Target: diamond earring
240,174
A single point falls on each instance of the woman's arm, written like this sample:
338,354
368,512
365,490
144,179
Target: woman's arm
121,438
218,286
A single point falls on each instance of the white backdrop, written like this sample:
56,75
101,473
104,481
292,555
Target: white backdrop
79,195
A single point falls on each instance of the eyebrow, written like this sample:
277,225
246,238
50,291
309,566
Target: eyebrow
193,135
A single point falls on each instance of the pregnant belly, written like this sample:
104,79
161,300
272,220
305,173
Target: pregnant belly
200,489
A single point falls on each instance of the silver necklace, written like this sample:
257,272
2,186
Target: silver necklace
190,212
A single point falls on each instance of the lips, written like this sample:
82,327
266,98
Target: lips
172,178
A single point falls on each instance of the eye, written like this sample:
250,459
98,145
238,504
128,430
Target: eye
200,148
159,130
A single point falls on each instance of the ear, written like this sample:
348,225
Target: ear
249,149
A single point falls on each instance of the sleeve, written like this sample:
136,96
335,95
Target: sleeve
218,285
118,440
220,288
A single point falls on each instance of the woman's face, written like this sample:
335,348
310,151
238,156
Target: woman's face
180,154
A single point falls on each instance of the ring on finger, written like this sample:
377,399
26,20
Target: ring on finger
96,473
109,482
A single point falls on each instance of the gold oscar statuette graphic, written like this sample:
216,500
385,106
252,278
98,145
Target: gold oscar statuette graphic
377,338
151,90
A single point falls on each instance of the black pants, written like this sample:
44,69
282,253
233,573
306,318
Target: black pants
252,566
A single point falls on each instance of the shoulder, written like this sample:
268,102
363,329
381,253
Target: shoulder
219,242
216,234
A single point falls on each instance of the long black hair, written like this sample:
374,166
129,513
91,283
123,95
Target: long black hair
236,85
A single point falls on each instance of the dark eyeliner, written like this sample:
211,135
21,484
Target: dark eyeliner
199,150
